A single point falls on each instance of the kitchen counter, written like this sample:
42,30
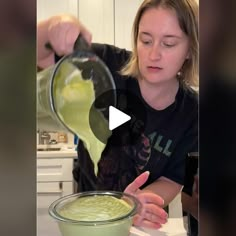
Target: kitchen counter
57,154
174,227
56,151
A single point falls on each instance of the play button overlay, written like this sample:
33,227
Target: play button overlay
117,118
120,113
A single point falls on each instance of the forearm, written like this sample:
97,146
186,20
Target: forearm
190,205
165,188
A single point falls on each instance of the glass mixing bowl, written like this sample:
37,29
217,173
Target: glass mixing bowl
95,213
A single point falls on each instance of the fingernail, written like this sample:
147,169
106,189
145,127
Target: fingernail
166,220
158,226
164,215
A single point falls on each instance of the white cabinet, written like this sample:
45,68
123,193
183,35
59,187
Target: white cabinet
125,12
54,180
98,17
54,169
47,8
109,21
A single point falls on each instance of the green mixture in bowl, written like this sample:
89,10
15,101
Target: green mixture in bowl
95,213
95,208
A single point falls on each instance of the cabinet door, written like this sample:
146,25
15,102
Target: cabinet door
46,194
46,225
125,12
54,170
98,17
49,192
47,8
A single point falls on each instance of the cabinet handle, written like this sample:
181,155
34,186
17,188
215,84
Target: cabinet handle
60,186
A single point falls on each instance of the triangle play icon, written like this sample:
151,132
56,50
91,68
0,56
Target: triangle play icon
117,118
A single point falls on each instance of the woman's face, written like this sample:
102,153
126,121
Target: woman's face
162,46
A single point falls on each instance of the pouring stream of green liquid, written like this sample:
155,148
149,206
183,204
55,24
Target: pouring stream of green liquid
73,101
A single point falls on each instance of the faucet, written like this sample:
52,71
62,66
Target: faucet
44,137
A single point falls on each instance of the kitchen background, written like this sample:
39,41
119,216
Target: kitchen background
110,21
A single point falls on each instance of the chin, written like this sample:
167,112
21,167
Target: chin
156,79
152,80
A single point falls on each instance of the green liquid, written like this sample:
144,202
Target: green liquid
95,208
73,99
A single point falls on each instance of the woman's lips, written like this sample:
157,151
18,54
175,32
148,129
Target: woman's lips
154,69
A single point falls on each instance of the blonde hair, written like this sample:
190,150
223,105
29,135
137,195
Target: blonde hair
187,13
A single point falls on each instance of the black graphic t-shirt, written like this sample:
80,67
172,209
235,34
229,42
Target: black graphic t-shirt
161,147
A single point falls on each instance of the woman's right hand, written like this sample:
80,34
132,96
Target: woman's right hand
60,32
63,31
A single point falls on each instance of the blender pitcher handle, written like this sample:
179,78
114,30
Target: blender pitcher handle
81,44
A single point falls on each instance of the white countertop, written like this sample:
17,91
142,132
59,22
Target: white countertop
64,152
174,227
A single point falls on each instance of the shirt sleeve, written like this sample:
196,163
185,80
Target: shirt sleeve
115,58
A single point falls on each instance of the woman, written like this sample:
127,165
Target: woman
160,70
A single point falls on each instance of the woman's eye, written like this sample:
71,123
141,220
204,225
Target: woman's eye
168,45
147,42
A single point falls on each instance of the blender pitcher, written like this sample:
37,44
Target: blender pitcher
67,91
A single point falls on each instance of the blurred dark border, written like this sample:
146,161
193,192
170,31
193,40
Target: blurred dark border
17,115
217,121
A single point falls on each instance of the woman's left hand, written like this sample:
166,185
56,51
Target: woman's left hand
151,214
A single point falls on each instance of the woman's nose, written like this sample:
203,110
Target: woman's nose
155,53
